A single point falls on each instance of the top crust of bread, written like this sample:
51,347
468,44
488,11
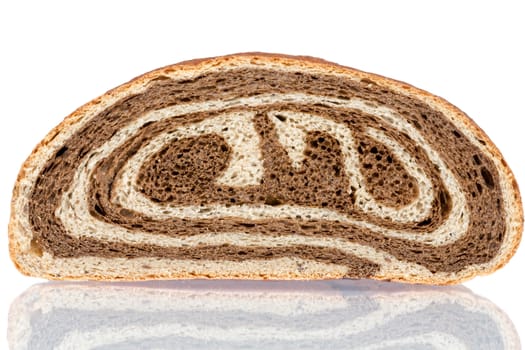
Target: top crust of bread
19,236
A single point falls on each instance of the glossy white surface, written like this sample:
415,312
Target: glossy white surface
57,56
256,314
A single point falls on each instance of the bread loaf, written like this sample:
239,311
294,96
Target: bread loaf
346,314
265,166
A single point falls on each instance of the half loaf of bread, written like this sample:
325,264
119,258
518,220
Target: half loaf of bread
265,166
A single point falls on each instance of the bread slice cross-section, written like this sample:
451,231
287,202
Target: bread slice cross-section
262,166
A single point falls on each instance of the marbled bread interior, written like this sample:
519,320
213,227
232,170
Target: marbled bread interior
265,166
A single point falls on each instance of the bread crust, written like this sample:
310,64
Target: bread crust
514,200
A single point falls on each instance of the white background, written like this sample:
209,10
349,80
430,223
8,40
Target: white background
56,56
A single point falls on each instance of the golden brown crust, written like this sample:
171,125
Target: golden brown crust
282,60
496,154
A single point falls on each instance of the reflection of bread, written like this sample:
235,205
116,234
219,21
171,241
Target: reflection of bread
265,166
229,315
